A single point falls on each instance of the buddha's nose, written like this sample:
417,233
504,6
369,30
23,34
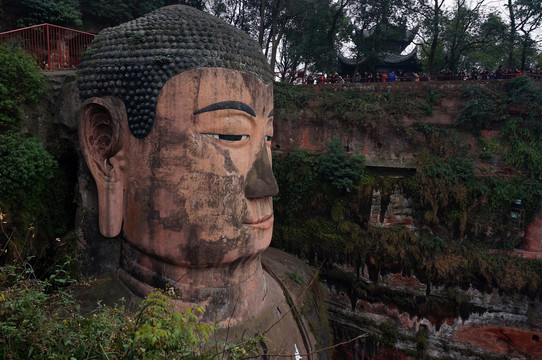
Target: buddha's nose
260,181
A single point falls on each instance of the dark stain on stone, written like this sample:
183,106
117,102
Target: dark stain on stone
260,180
228,163
265,349
158,281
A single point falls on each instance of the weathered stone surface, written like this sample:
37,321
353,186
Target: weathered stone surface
465,324
275,321
191,200
518,317
398,210
533,235
154,48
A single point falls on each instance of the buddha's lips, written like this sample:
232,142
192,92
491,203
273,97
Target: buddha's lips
264,223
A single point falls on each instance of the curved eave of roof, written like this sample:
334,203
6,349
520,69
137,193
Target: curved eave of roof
384,57
395,59
352,61
407,37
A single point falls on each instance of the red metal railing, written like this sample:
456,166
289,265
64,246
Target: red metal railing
54,47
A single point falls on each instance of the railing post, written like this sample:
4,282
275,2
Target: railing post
48,49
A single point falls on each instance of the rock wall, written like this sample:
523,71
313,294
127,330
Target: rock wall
404,317
460,324
382,144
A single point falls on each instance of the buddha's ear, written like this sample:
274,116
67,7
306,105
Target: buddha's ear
102,136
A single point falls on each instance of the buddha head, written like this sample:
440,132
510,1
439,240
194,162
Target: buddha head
175,126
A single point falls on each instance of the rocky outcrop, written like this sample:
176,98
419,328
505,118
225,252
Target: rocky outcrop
397,210
405,323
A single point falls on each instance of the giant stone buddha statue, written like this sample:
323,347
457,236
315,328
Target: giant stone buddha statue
175,126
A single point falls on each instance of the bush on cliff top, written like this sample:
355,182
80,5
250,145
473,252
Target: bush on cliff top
20,82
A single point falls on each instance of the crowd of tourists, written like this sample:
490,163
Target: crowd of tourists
443,75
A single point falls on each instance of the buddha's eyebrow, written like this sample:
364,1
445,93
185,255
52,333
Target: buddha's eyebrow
223,105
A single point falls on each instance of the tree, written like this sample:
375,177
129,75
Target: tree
529,18
22,13
26,166
341,170
313,36
463,32
525,16
114,12
20,83
282,11
493,53
431,13
243,14
336,23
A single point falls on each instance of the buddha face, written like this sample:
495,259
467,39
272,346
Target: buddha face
199,187
197,191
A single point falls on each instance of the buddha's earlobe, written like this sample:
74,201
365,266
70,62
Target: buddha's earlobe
101,136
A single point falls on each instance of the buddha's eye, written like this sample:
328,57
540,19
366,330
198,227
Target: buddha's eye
228,137
268,138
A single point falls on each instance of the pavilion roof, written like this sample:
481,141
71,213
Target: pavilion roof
385,57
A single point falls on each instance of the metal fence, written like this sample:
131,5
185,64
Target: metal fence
54,47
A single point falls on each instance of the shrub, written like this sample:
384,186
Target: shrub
25,170
20,82
342,171
27,193
479,110
38,324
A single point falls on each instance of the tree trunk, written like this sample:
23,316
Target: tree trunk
275,45
435,40
512,34
262,22
525,44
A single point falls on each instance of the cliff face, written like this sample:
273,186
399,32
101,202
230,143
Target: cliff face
374,119
412,295
411,303
407,318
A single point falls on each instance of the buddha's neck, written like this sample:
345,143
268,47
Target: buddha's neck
230,293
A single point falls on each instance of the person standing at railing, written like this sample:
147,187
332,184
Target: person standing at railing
321,79
392,76
474,74
357,77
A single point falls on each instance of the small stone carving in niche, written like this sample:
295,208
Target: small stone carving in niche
179,145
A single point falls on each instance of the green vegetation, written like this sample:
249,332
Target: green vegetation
36,210
479,111
460,213
41,320
20,83
362,109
